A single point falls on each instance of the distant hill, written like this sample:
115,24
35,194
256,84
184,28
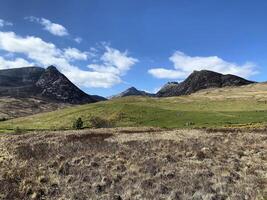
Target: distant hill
132,91
47,84
99,98
199,80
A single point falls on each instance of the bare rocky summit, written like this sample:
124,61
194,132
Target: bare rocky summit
199,80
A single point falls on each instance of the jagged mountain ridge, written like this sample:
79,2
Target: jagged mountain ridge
199,80
48,84
52,85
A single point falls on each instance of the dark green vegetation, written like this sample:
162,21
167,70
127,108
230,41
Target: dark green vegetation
78,124
230,107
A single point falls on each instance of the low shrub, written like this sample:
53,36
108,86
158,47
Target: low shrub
78,124
18,130
3,119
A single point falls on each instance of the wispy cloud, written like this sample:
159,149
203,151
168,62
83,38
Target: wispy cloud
5,23
75,54
185,64
53,28
111,66
78,40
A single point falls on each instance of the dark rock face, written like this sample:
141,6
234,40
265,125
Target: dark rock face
199,80
132,91
20,77
19,82
54,85
48,84
167,89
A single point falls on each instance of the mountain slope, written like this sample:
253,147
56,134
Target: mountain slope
132,91
20,76
30,90
19,82
53,85
47,84
199,80
19,107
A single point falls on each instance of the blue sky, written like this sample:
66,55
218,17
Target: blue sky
108,46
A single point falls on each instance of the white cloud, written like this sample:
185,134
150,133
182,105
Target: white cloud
114,61
5,23
45,54
153,91
184,65
75,54
53,28
78,40
166,73
16,63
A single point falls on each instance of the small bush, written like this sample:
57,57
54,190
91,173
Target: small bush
3,119
78,124
18,130
98,122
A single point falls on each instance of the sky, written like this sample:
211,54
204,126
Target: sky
105,47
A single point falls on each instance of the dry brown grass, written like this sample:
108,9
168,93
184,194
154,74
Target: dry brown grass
256,91
18,107
134,164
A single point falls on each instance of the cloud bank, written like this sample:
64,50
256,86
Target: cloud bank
185,64
31,50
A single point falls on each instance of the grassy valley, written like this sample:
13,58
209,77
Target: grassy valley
244,106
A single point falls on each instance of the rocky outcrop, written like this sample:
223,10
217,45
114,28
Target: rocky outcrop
199,80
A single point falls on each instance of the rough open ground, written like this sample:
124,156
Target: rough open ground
134,163
18,107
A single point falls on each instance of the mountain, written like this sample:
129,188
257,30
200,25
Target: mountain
199,80
47,84
132,91
20,76
99,98
55,86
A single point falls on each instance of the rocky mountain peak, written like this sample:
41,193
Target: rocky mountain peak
48,84
52,70
55,85
132,91
199,80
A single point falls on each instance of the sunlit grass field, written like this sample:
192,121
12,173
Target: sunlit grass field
229,107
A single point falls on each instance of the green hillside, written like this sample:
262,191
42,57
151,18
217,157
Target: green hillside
234,107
